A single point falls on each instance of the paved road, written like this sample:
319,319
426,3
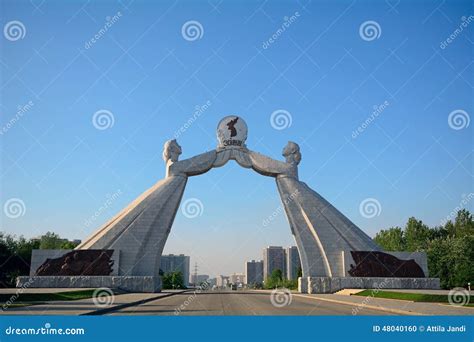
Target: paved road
239,303
235,303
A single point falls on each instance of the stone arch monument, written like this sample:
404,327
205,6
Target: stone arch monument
334,252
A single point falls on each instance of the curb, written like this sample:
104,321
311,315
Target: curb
391,299
397,311
457,306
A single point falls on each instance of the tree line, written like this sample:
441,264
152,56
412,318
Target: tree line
449,247
15,254
277,279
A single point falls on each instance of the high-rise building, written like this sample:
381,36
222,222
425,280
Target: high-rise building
222,281
254,272
212,282
273,259
176,263
292,263
237,279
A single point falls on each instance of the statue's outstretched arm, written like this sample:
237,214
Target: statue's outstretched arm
194,166
275,168
188,167
267,166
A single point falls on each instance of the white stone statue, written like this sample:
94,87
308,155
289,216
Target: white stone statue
324,236
140,230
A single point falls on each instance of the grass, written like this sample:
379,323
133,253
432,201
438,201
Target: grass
415,297
45,297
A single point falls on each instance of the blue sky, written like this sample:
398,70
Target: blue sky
322,69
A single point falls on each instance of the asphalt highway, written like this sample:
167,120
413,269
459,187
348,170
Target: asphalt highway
238,303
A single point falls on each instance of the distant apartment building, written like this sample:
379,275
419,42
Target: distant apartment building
237,279
212,282
292,263
222,281
176,263
254,272
274,257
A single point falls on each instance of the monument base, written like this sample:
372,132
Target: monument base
125,283
334,284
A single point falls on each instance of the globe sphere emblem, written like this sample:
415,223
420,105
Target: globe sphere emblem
232,132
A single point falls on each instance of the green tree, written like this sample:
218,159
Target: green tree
15,258
178,280
51,241
166,280
391,239
173,280
68,245
438,233
24,247
462,253
450,260
463,224
449,248
15,254
416,235
438,265
277,275
275,279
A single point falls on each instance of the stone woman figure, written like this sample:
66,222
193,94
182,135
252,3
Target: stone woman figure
140,230
320,230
